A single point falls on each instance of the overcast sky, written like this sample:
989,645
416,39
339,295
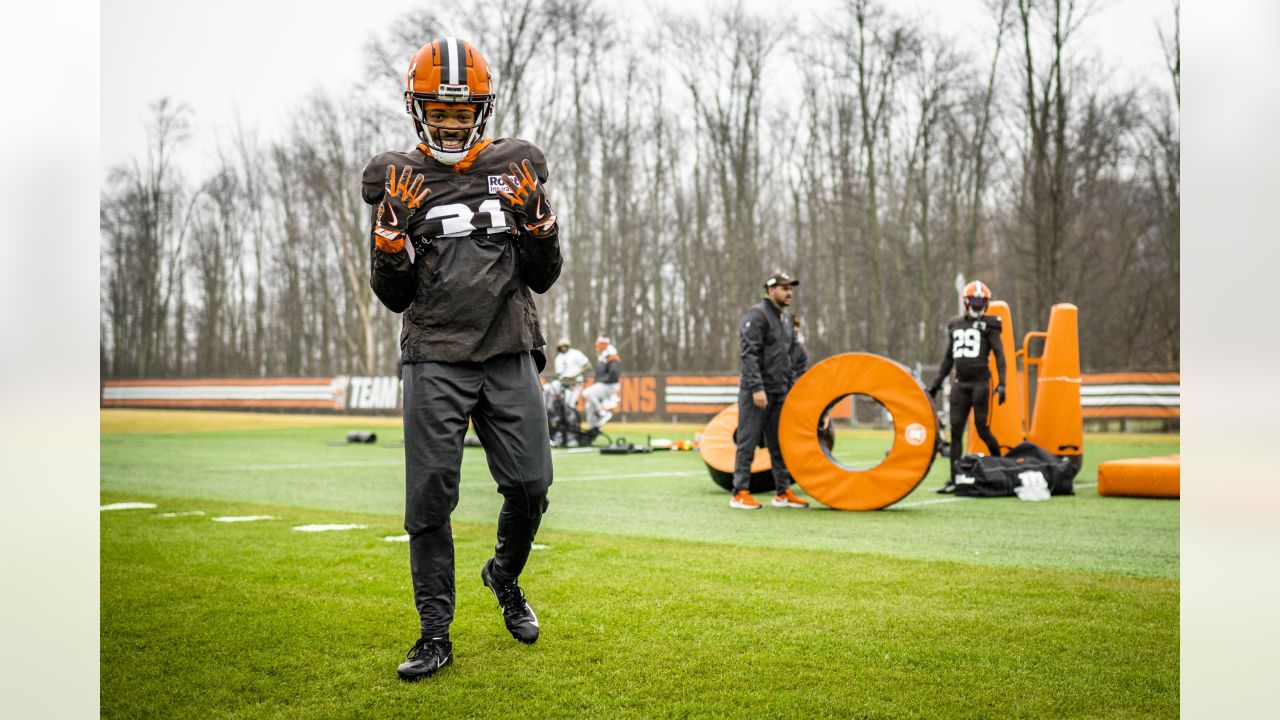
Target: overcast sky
255,61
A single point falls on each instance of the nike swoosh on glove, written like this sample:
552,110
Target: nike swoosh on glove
401,198
528,199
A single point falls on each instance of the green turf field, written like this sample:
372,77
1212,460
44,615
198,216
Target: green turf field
656,599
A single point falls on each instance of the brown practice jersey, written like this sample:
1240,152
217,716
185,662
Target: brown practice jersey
970,344
464,278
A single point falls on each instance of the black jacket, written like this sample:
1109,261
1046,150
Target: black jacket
465,292
767,336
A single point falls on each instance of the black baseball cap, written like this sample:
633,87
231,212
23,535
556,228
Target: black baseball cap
781,279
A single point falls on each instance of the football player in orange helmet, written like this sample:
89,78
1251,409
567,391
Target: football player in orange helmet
971,339
462,233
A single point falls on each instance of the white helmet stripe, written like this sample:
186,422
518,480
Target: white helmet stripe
452,53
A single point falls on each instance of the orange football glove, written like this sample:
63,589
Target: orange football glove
528,199
401,198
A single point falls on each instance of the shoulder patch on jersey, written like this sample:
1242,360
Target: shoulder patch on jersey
495,184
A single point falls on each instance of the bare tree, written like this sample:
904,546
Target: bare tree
874,159
145,220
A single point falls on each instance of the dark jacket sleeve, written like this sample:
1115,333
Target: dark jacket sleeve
997,348
944,369
391,275
751,331
539,260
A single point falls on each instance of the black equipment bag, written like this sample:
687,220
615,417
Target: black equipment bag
988,476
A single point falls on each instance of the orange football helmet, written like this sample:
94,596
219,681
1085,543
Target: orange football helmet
977,296
449,70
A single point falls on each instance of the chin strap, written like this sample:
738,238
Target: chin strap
465,162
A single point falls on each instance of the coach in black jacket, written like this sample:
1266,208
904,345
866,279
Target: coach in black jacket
767,334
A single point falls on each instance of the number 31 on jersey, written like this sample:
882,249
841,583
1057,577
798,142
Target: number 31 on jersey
458,220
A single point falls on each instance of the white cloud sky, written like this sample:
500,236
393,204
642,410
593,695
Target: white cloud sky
255,61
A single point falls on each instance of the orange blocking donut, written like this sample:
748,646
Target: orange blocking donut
915,432
718,449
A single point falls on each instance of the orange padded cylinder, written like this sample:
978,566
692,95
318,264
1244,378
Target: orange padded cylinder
1008,421
1057,424
718,446
915,432
1159,477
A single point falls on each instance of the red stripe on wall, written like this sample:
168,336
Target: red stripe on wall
222,403
702,380
1131,378
214,382
1132,412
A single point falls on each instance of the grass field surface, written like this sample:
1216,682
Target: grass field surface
656,599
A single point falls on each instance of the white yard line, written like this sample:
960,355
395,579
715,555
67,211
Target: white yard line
127,506
616,476
310,466
935,501
361,463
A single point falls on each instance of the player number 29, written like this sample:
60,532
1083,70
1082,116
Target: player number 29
965,343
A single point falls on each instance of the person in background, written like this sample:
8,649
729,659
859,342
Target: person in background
768,336
800,363
971,339
563,391
607,378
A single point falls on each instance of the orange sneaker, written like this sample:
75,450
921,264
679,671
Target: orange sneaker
743,500
789,499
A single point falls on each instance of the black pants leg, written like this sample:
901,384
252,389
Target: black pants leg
981,406
438,398
773,413
756,427
966,396
747,436
518,451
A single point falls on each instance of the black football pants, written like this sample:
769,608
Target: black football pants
502,398
752,423
971,395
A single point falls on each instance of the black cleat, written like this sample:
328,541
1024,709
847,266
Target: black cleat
426,658
947,489
521,622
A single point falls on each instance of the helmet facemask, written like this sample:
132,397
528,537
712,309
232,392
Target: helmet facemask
975,306
416,106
